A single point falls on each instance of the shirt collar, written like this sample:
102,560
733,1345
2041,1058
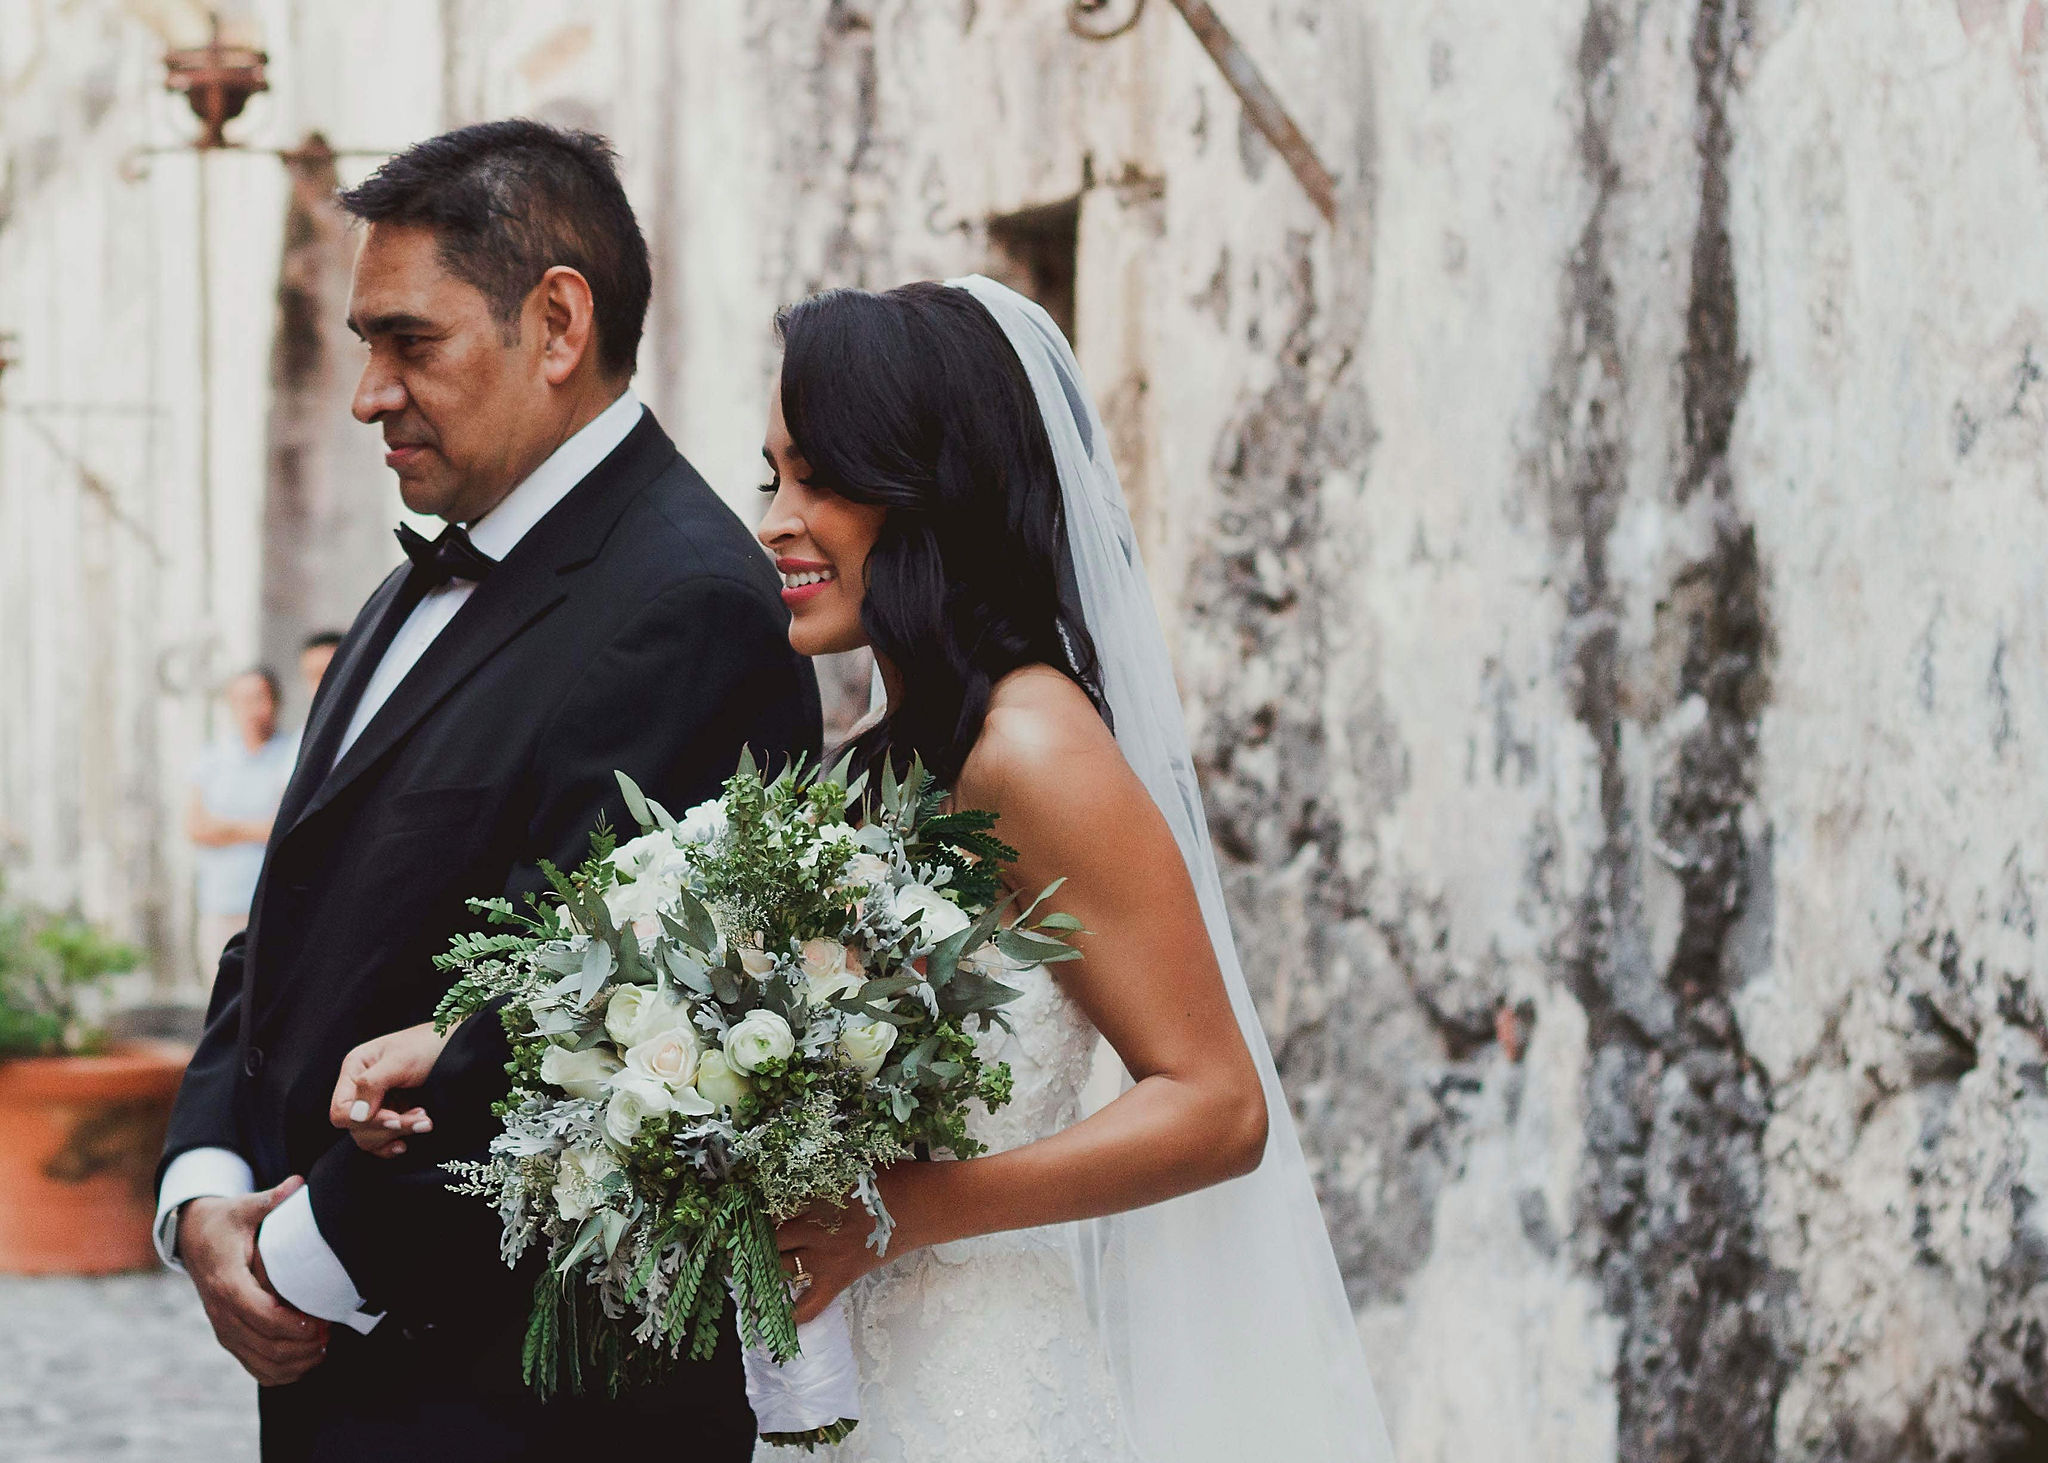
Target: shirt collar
499,531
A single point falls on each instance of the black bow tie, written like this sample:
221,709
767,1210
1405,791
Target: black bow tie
451,556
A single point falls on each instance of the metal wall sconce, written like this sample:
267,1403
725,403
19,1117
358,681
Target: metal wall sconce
217,80
1102,20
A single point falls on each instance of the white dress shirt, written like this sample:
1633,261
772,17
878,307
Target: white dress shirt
302,1267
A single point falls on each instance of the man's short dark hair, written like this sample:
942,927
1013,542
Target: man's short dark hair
321,640
510,201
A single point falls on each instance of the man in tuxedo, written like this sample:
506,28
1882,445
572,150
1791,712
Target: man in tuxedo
592,607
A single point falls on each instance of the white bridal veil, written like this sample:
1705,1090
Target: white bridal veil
1222,1313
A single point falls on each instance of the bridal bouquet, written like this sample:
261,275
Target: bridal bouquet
717,1025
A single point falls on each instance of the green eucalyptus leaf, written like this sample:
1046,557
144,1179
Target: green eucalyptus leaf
944,958
614,1229
873,837
633,969
1031,950
636,802
971,991
1044,894
586,1240
691,972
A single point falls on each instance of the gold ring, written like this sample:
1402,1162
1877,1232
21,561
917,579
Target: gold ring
802,1279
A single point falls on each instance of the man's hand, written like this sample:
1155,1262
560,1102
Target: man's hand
274,1342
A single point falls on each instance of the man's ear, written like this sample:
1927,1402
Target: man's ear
569,321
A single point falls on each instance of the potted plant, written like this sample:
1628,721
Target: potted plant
81,1119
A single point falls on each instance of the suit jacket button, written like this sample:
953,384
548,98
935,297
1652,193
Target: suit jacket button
252,1062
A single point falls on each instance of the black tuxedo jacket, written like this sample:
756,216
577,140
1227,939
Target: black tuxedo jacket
637,627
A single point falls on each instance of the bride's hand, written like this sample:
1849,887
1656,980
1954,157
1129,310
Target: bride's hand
374,1069
830,1259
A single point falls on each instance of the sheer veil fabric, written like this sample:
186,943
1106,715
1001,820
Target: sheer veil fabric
1222,1313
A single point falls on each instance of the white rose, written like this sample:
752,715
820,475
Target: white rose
637,905
831,970
704,823
866,1046
761,1037
719,1082
634,1100
942,918
580,1074
579,1179
757,963
648,851
639,1013
865,871
670,1058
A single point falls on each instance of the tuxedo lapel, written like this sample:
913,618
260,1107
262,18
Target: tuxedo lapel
534,578
354,663
499,608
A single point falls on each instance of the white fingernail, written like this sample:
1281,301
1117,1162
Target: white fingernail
424,1125
360,1113
394,1124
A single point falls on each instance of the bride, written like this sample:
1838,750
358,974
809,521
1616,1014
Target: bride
1150,1282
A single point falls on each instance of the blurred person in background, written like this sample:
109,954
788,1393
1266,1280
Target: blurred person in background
237,784
314,658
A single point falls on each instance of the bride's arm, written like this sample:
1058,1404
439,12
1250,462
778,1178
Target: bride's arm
1070,805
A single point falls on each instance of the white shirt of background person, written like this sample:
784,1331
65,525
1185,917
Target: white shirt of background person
302,1267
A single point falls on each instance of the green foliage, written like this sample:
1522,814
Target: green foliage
681,1233
48,965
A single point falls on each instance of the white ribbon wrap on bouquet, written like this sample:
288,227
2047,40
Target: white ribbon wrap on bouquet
814,1389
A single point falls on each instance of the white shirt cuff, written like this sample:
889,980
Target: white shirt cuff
197,1173
304,1269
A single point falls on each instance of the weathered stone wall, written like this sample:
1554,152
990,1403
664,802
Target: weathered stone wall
1602,566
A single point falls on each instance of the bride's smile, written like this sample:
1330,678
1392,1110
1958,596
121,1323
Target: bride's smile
820,541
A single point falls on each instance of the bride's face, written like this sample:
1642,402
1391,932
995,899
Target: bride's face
820,542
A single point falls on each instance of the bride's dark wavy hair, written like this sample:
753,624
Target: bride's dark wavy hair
913,400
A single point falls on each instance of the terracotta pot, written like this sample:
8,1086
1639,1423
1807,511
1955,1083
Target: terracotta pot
79,1140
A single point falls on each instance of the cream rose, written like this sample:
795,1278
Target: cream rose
634,1100
580,1074
866,1047
579,1180
757,963
942,918
637,906
719,1082
865,871
704,823
831,970
643,855
638,1013
758,1038
669,1058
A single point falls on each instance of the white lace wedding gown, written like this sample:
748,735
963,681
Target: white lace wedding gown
981,1351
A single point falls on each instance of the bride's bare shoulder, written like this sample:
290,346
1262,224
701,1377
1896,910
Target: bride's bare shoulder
1041,732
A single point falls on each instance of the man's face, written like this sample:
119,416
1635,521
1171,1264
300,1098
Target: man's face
459,393
253,707
313,663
